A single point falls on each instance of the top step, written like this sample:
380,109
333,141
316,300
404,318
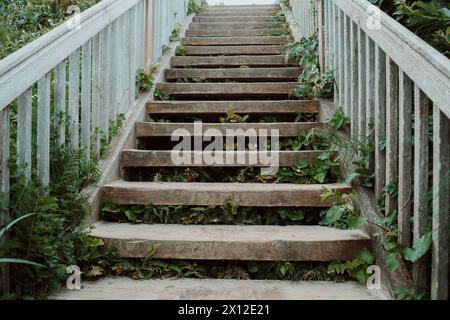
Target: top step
237,13
235,19
241,8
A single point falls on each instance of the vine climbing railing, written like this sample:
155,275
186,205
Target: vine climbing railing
76,80
392,83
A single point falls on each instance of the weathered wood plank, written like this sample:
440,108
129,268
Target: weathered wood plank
237,74
354,78
392,92
362,75
212,289
156,158
251,19
74,99
441,209
60,102
233,41
240,107
43,130
348,66
24,126
341,59
235,50
4,188
240,90
421,188
230,62
156,129
236,13
86,102
216,194
234,25
405,171
233,32
249,243
380,121
96,93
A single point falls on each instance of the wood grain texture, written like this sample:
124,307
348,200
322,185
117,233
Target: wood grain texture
245,243
230,62
206,194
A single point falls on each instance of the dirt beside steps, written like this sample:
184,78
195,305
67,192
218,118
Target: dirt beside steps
233,77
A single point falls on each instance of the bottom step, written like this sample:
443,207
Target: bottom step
193,289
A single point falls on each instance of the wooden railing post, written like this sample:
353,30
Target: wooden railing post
321,34
148,25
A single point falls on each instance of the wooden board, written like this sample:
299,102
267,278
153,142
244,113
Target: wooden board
216,194
245,243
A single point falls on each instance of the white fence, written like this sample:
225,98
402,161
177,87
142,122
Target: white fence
388,77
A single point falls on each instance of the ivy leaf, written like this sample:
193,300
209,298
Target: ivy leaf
389,246
351,177
420,248
360,276
392,263
366,256
356,222
333,215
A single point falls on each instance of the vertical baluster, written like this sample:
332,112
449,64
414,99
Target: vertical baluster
354,80
24,125
380,121
86,77
74,99
4,187
342,59
60,102
113,77
405,159
441,209
105,105
362,86
43,130
370,84
135,46
96,93
421,154
336,55
391,131
126,62
348,66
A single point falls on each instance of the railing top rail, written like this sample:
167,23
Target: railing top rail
24,67
426,66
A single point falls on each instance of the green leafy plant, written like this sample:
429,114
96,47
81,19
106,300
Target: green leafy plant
144,81
175,36
194,6
405,293
342,213
356,269
312,82
181,51
161,95
166,49
232,117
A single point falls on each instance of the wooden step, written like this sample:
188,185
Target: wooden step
236,13
230,62
156,129
240,107
242,7
211,290
234,25
216,194
252,19
236,243
233,33
236,74
234,50
164,158
235,41
229,90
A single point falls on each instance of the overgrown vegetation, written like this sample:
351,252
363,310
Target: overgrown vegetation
430,20
312,82
22,21
194,6
144,81
176,33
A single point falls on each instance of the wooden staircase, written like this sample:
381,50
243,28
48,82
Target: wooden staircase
242,69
